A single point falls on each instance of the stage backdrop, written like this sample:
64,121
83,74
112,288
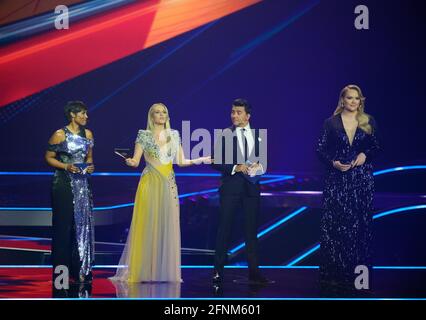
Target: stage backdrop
290,59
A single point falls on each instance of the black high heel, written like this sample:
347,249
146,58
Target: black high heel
85,279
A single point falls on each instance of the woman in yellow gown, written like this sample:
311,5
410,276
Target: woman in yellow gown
152,250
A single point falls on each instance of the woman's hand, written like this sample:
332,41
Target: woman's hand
90,169
72,168
360,160
131,162
342,167
205,160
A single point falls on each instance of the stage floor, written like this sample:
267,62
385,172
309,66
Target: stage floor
290,282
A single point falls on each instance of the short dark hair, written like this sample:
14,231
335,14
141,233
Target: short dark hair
242,103
74,107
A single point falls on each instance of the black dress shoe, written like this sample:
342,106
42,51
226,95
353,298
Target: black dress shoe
217,277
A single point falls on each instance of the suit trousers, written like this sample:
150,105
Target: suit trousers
229,204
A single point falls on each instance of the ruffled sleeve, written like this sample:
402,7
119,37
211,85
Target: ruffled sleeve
142,138
175,142
176,137
53,147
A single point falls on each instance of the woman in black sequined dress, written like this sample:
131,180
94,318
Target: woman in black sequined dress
347,146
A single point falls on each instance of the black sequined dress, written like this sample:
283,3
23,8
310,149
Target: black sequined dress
346,220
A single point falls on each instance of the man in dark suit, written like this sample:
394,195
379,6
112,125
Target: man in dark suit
236,156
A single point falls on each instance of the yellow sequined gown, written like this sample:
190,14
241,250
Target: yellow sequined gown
152,250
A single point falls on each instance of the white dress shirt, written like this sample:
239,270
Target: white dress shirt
250,142
249,136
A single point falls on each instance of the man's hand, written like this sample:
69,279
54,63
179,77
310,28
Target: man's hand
242,168
254,168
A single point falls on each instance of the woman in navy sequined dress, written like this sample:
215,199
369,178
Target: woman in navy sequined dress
70,153
347,146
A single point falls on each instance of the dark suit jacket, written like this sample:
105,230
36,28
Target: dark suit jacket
238,183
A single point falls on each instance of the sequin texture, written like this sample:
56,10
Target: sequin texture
146,139
74,149
346,220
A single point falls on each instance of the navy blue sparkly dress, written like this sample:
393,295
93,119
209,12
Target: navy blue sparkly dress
346,220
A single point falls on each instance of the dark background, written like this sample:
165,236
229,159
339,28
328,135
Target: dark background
290,59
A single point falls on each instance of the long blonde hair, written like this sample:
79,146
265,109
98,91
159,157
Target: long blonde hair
362,117
150,122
